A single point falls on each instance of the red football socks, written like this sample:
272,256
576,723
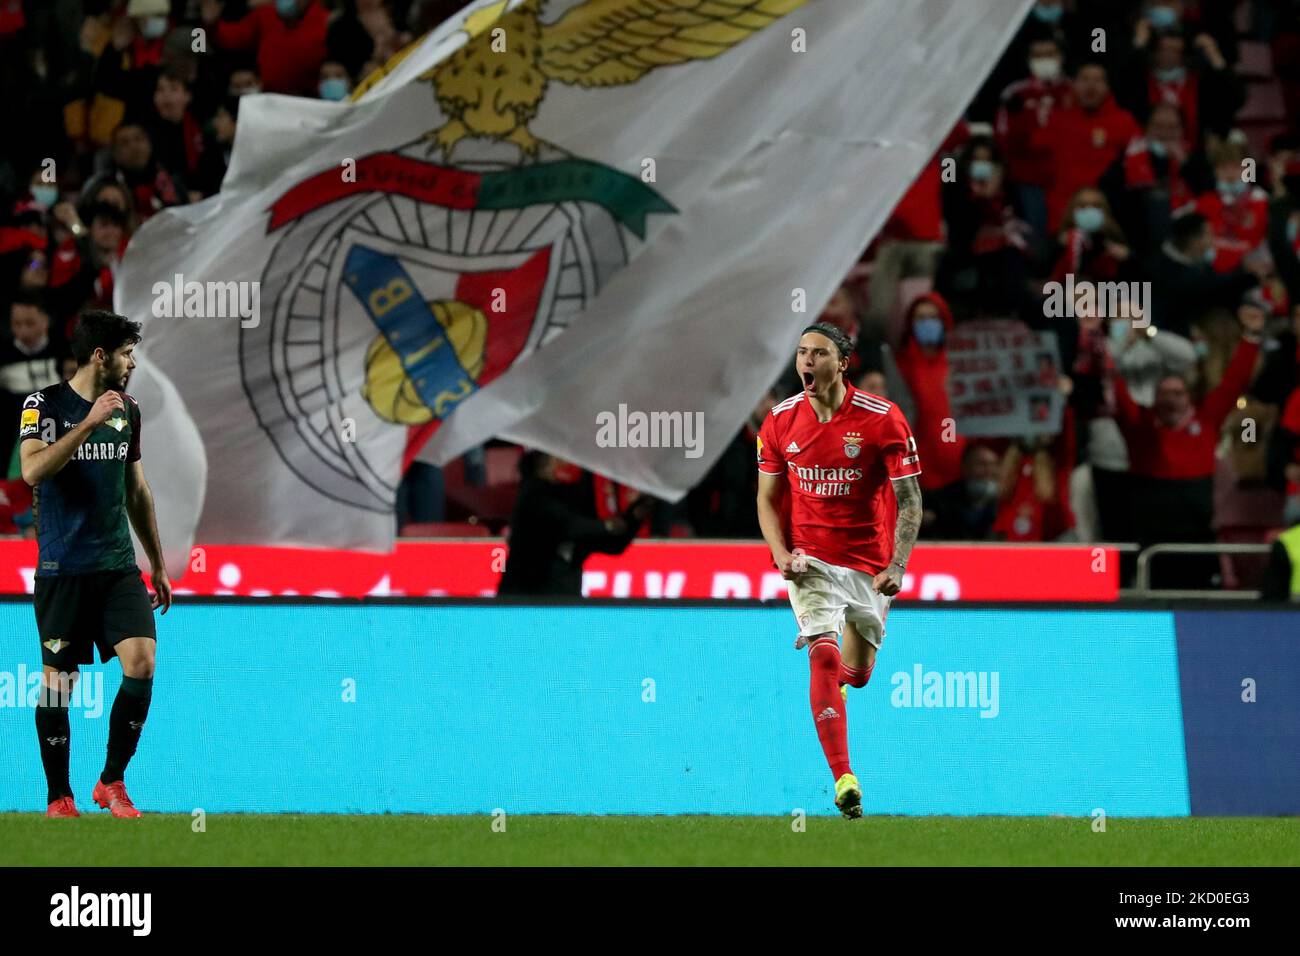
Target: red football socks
828,703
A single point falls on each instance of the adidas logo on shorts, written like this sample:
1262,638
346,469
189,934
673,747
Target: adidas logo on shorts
830,713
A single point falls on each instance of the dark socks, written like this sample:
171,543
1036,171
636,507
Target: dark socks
130,708
52,729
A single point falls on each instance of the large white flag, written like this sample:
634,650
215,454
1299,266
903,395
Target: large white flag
544,212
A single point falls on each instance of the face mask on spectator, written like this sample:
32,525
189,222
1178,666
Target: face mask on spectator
151,28
1292,228
1171,75
1230,189
928,330
1201,348
45,195
1045,67
1048,14
334,88
981,170
1162,18
1157,148
982,490
1119,330
1211,254
1089,218
288,9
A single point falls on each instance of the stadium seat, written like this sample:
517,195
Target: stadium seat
1263,104
1255,60
1260,135
445,529
502,464
1243,17
491,505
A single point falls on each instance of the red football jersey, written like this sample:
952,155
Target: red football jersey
842,505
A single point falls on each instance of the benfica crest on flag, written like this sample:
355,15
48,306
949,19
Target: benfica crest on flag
458,269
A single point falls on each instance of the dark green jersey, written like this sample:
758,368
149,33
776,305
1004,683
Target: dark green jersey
80,512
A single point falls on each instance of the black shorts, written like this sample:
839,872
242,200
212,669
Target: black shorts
80,612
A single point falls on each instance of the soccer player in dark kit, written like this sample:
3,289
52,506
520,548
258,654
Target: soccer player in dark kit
81,453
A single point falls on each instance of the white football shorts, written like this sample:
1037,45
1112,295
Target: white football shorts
827,595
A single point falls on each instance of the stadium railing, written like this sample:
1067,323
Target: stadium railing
1142,579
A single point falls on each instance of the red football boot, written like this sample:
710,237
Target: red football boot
62,807
112,797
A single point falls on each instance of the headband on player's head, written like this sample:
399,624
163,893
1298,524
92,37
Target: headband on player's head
835,334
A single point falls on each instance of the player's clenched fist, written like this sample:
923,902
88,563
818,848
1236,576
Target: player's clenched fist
889,581
790,565
104,408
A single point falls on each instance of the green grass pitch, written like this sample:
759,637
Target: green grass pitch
325,840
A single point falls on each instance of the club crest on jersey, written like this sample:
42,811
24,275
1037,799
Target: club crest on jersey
853,444
56,644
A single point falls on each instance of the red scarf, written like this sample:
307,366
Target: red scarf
1140,173
65,263
15,237
146,52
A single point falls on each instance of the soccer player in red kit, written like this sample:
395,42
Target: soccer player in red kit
847,461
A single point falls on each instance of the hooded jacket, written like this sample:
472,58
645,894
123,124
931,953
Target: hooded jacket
926,376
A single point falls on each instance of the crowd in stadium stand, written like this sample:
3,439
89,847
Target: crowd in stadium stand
1115,141
109,114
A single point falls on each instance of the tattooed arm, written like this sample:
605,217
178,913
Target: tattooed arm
908,491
